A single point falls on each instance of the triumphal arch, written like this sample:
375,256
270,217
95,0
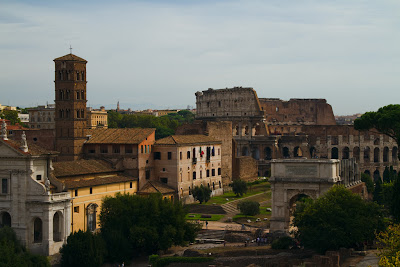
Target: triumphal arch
294,178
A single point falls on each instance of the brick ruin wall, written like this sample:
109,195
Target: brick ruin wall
245,168
297,111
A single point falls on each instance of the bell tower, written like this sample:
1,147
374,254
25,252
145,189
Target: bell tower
70,98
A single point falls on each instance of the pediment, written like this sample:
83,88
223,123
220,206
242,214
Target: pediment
7,151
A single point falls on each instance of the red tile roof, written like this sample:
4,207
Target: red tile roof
118,135
152,187
33,150
82,167
98,180
70,57
187,140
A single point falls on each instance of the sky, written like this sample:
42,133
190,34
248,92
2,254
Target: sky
157,54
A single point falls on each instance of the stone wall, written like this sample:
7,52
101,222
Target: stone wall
245,168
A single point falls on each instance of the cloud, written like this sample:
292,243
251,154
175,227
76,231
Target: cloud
162,52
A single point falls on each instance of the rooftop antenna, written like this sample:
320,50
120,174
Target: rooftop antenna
70,49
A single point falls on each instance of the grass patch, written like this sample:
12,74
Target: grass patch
252,190
214,217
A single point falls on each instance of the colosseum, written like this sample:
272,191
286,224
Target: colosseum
271,128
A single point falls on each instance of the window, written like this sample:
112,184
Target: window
38,177
130,185
208,173
91,216
163,169
213,172
157,155
128,149
201,174
91,190
164,180
76,192
190,191
219,151
145,149
37,231
180,155
104,149
4,186
76,209
141,149
116,149
219,171
188,155
194,175
169,155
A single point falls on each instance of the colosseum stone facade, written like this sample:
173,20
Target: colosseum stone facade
270,128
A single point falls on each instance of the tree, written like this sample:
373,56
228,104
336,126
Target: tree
11,115
202,193
386,120
395,205
368,182
83,249
249,208
239,187
14,254
378,192
389,246
133,225
338,219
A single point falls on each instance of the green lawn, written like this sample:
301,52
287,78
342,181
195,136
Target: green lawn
252,190
214,217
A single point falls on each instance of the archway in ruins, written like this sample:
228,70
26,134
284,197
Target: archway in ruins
295,179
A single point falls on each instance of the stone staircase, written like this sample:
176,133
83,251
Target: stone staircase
207,236
230,208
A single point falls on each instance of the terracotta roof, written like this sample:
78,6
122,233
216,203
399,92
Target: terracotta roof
70,57
156,187
118,135
187,140
81,167
99,180
33,150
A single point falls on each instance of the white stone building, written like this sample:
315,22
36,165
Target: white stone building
30,198
185,161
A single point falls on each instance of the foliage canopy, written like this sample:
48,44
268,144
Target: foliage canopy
132,225
386,120
165,125
14,254
83,249
202,193
389,246
338,219
249,208
239,187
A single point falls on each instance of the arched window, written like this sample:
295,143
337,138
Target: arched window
5,219
313,152
57,226
245,151
334,153
366,154
345,153
297,152
82,94
256,153
356,153
37,230
213,186
77,94
286,153
385,154
268,153
376,154
91,216
394,154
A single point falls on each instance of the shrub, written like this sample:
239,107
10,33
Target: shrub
250,208
83,249
282,243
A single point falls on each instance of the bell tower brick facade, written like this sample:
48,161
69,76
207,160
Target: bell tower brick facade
70,99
